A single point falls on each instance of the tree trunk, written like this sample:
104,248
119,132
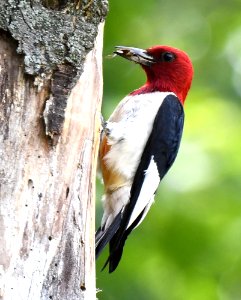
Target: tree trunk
50,97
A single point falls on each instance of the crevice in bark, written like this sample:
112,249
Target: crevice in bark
54,112
55,4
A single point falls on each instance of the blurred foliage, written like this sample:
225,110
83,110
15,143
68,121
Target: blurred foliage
189,246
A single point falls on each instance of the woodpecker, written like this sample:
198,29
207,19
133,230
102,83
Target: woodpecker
140,143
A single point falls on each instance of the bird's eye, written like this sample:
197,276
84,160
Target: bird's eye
168,56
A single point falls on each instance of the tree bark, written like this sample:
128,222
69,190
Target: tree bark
49,136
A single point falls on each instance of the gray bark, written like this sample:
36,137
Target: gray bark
50,97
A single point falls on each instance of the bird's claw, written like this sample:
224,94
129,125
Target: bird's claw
107,130
104,125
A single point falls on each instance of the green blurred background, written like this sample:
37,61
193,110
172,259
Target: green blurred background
189,246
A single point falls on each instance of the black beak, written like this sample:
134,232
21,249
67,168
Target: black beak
137,55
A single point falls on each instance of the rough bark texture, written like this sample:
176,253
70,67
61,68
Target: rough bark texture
54,36
49,127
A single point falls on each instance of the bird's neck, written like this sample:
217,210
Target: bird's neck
160,87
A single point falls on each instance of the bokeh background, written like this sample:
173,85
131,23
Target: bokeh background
189,246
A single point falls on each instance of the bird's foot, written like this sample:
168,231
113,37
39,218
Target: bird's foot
114,131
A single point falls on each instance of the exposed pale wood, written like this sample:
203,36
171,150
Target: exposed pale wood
47,191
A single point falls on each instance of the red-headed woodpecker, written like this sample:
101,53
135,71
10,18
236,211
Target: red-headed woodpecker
140,143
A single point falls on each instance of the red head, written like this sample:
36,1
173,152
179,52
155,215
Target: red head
168,69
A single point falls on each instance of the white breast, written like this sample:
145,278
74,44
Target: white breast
133,119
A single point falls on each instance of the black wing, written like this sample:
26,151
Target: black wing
162,146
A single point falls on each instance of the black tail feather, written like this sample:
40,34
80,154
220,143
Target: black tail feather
116,235
117,244
115,252
102,237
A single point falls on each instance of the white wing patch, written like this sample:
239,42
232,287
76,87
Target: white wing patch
146,197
